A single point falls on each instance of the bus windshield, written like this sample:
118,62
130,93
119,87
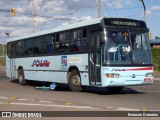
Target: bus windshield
126,46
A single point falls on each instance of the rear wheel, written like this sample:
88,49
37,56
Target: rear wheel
21,77
74,81
114,89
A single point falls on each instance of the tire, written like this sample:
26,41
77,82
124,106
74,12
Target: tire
114,89
74,81
21,77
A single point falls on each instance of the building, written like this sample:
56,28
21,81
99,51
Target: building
155,43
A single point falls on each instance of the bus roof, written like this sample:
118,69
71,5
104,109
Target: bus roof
58,29
78,25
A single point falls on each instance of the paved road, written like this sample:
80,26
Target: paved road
26,98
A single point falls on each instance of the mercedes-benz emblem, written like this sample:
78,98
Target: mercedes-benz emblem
133,76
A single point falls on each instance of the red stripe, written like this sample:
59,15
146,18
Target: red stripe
43,64
146,68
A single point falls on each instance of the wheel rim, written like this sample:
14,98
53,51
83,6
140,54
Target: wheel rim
76,80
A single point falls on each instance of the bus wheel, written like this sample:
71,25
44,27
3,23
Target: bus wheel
74,81
21,77
114,89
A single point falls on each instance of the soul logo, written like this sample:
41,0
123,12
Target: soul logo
116,69
40,63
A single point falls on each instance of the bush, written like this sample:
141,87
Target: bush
2,61
156,59
2,50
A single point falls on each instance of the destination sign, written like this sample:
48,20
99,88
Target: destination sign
124,22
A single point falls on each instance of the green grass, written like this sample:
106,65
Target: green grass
2,50
2,61
156,59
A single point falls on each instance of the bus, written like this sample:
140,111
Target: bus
101,52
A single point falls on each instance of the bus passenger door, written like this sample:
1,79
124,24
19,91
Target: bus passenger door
12,59
94,59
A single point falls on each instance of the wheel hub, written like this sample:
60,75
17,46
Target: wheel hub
76,80
20,77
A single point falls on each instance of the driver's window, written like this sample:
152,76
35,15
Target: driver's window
111,46
118,46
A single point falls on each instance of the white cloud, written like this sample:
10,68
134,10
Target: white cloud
22,20
39,20
127,2
76,0
20,32
117,3
75,19
2,28
148,12
80,4
155,8
152,10
88,17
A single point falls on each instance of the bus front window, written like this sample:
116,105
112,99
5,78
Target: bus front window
140,48
124,46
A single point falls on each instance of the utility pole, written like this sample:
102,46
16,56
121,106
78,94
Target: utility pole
33,22
99,8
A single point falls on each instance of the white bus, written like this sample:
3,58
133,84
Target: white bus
102,52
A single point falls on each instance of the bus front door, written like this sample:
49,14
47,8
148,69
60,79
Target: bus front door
94,59
12,60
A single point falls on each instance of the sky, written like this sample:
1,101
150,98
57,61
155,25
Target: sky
53,13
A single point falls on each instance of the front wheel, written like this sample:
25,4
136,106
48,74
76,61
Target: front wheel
21,77
74,81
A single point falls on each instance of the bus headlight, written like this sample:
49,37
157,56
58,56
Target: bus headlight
149,75
112,75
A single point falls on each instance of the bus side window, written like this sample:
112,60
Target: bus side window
78,40
48,40
53,43
42,46
20,49
36,46
56,43
29,47
75,46
84,41
62,43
